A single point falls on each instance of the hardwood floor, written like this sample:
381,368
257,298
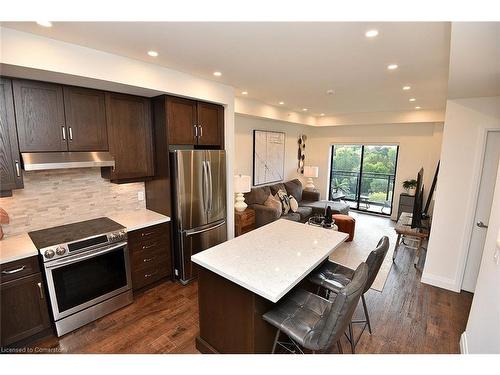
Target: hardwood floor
407,317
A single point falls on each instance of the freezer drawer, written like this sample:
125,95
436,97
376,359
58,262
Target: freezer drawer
194,241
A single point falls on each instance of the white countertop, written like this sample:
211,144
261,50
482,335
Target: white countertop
133,220
21,246
16,247
272,259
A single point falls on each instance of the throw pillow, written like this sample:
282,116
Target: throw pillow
294,205
275,204
285,202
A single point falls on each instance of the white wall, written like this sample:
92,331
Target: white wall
419,146
31,56
466,123
482,334
243,139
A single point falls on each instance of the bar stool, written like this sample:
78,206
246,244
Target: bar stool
333,277
312,322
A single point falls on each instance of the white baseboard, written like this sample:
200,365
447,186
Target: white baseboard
463,344
440,282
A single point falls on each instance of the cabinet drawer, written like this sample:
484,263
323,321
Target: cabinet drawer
148,233
150,272
19,268
150,253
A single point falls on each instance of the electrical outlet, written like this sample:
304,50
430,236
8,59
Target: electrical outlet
140,195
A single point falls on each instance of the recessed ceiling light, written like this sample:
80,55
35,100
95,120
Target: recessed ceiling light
44,23
412,99
244,93
321,114
304,109
330,92
392,66
153,53
281,103
371,33
217,74
417,107
406,88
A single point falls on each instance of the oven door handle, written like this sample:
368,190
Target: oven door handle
78,258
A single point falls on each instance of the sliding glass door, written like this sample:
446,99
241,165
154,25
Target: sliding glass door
363,176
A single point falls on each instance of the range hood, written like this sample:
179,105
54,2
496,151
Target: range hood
37,161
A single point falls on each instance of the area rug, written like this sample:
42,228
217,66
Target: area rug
369,230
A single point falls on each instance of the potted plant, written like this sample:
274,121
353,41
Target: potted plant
343,185
410,186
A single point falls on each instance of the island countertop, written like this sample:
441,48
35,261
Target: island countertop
272,259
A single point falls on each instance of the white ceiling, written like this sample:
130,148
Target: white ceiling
293,62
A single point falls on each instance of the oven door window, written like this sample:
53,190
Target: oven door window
81,282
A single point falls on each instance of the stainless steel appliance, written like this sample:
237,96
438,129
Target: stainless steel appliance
87,270
199,205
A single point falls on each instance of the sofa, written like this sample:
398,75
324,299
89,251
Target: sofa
308,201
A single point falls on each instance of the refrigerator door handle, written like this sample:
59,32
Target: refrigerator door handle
188,233
210,187
204,182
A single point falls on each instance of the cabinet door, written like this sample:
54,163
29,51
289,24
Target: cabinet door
85,113
10,166
40,116
181,119
210,123
24,309
130,136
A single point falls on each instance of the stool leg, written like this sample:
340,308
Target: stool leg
339,346
275,341
366,314
396,248
351,335
417,252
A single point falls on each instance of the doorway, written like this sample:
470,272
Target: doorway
363,176
483,210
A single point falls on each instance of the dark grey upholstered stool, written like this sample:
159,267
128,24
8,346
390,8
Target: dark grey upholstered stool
313,322
333,277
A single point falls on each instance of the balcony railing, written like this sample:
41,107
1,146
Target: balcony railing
376,188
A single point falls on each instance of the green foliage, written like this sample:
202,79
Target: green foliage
347,158
409,184
377,197
342,185
378,184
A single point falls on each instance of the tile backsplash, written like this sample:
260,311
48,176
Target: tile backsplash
57,197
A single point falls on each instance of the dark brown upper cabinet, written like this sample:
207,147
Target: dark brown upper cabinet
52,117
85,113
210,123
181,115
40,116
194,123
130,137
10,163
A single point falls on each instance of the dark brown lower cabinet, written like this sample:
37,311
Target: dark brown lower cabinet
150,255
23,306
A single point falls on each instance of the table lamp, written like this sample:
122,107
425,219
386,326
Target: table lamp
241,185
310,173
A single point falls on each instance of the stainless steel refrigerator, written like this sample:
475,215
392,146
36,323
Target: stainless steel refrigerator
199,180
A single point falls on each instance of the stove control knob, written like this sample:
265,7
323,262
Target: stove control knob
49,253
60,250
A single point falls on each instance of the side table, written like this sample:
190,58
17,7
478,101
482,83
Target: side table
244,221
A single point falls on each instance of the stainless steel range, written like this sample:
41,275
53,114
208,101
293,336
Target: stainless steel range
87,270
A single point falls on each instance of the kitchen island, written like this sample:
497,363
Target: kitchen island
241,279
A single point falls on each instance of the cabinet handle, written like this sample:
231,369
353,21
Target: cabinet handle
146,234
146,260
40,289
22,268
148,246
70,133
150,274
195,131
63,133
201,131
18,169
